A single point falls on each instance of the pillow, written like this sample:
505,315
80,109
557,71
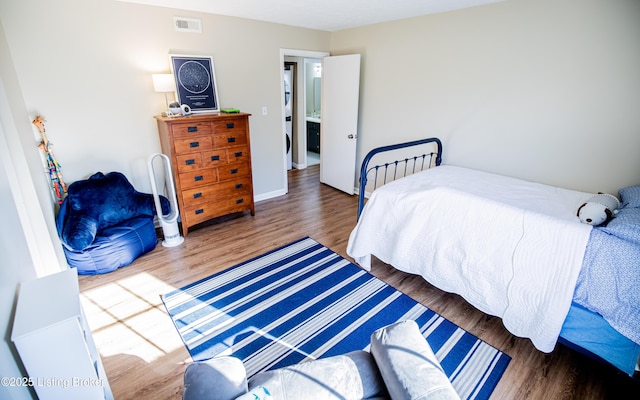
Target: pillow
348,376
221,377
625,225
407,364
630,196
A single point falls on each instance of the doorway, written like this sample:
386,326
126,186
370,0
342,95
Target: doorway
313,104
299,140
289,100
302,85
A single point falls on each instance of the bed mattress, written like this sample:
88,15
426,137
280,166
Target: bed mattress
511,248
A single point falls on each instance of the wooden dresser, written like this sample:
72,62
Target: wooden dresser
211,160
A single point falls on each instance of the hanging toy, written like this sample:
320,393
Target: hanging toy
55,171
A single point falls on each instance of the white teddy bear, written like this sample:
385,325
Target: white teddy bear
598,209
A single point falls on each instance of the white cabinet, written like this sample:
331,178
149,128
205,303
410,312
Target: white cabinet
55,344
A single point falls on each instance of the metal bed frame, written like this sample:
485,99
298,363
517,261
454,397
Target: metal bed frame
390,171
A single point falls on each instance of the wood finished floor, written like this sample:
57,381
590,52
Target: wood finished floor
145,358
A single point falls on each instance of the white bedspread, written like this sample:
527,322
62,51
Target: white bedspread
511,248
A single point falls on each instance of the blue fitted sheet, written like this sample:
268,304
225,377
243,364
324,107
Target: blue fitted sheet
610,275
592,333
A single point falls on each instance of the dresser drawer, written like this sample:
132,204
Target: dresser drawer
237,203
229,139
238,154
193,161
189,162
216,191
203,212
229,126
194,144
233,171
197,178
181,131
200,213
214,158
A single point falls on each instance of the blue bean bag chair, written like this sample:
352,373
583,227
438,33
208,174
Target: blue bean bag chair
105,224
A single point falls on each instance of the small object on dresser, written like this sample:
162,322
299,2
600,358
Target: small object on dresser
185,109
174,109
231,110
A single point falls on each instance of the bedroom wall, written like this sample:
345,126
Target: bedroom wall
26,234
545,90
86,67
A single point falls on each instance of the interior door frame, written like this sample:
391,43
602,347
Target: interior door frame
301,95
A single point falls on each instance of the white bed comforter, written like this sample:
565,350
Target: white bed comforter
511,248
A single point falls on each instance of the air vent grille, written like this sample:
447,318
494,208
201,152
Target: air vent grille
183,24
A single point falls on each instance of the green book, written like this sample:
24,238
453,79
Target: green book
230,110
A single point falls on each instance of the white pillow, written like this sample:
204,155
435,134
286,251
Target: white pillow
407,364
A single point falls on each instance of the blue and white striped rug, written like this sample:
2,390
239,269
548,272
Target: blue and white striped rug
303,301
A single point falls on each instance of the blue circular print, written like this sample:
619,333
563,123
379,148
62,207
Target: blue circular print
194,77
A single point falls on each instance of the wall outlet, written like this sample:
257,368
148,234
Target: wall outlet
264,110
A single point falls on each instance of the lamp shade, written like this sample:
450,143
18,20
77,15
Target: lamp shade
163,83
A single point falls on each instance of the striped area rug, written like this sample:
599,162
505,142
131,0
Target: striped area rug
303,301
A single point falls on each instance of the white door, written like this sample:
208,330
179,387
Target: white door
339,116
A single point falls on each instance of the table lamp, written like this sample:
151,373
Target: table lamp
164,83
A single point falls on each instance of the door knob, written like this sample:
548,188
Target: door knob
351,136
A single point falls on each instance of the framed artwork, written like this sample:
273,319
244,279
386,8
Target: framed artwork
195,82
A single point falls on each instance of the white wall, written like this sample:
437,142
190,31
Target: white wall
86,67
17,266
27,232
546,90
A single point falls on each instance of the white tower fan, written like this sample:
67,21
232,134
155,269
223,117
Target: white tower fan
168,223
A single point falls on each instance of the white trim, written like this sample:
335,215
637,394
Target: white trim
270,195
299,166
37,224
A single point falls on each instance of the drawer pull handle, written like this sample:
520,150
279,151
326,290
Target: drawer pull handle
231,139
239,201
192,129
197,195
233,171
231,125
215,158
194,144
238,154
198,178
238,185
199,211
190,162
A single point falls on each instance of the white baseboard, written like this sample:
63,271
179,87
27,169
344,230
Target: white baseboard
299,166
270,195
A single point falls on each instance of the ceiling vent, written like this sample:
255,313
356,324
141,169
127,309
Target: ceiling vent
183,24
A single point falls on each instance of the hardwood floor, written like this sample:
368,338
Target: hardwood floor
145,358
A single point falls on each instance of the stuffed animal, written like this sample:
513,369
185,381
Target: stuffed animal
598,209
100,202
